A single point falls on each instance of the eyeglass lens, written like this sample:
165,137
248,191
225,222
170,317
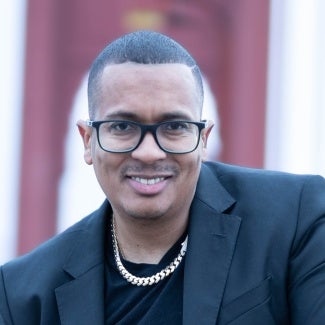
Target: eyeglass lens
174,136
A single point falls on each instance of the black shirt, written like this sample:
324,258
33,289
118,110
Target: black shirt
160,303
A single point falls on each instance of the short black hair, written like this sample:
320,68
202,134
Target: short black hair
144,47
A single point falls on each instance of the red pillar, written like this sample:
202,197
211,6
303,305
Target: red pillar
242,95
39,169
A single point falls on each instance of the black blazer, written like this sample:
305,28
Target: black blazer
256,255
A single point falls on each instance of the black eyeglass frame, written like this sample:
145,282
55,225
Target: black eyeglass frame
152,128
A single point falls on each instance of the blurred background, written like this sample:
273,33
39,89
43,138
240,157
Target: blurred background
264,70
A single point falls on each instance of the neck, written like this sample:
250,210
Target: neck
147,241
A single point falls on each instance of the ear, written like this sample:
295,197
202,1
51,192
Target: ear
205,135
85,132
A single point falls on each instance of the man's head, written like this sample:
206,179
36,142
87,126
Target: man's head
143,47
146,177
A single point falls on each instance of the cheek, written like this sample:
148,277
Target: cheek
107,167
191,167
99,163
99,157
199,155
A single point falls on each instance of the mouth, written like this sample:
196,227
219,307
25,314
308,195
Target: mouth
148,185
148,181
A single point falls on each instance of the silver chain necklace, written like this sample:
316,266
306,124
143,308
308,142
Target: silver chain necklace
150,280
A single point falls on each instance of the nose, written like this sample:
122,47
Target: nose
148,151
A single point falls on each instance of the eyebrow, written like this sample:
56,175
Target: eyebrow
121,115
124,115
175,116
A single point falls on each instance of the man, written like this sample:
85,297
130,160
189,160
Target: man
179,240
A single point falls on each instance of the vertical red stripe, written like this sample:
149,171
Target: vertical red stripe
38,168
243,110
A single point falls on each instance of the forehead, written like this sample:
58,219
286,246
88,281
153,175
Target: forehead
128,72
149,86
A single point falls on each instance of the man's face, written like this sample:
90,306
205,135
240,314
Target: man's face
146,183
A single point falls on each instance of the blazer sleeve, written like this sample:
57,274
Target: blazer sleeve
306,283
2,321
5,318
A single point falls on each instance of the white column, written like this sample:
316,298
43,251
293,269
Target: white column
295,133
12,29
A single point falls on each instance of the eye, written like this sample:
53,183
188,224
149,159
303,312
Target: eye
122,126
176,126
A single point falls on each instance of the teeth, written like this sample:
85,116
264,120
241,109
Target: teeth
148,181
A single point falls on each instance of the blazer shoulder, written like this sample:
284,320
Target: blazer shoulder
49,257
253,187
28,283
227,173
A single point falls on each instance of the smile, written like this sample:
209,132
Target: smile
148,181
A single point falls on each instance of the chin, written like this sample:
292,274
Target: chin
147,214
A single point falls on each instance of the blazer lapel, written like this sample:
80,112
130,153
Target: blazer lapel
81,300
212,239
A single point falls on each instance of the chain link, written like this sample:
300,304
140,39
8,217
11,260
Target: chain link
145,281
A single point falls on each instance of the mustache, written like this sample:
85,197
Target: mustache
152,168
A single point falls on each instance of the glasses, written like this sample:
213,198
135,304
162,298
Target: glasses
120,136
